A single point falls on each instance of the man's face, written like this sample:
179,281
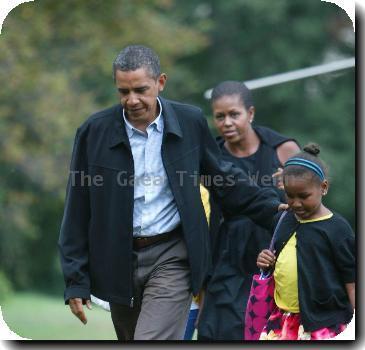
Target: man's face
138,93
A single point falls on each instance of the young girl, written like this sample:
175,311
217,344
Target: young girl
313,258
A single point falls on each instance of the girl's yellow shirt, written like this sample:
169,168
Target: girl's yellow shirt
286,274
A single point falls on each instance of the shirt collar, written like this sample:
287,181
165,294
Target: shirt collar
158,122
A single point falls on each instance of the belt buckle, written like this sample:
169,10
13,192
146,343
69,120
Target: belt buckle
141,238
141,242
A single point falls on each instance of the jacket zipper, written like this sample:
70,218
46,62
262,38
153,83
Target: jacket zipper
131,303
132,265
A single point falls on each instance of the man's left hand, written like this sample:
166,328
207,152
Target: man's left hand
283,206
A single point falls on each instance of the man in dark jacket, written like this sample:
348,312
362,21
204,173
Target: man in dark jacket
134,231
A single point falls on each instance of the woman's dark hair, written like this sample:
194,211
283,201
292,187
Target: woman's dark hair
310,152
231,87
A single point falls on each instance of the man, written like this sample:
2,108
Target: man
134,231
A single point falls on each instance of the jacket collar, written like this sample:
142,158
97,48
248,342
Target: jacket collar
172,125
119,133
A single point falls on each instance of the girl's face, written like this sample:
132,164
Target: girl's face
304,195
231,118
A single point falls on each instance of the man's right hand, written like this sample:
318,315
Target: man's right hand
77,308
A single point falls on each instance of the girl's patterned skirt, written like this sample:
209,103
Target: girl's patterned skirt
283,325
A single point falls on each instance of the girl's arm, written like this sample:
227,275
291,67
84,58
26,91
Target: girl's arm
350,288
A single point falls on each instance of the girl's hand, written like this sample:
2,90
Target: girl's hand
266,259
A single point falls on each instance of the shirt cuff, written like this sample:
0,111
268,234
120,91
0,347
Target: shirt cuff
76,292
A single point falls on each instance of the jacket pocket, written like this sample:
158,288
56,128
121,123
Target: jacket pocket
332,302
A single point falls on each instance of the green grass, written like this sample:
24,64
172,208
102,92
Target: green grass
40,317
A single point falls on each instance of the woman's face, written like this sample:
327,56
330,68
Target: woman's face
231,118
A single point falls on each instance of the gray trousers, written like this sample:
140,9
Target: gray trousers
162,294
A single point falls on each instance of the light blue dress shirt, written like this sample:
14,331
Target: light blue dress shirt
155,210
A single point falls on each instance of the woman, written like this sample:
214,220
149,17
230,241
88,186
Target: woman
260,152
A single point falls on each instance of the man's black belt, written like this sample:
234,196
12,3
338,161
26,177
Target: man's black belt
142,242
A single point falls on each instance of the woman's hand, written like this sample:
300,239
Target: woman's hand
278,179
266,259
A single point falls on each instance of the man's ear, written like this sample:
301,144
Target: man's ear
162,81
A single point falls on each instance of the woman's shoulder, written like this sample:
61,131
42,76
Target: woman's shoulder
283,146
272,137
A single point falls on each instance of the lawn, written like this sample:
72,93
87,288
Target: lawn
40,317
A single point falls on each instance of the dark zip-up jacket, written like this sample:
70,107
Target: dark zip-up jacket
96,234
326,262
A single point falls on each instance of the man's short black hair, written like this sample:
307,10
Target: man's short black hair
134,57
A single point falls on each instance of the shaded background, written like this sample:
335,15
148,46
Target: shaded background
55,69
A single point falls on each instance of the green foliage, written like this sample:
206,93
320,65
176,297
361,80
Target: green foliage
5,287
55,65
